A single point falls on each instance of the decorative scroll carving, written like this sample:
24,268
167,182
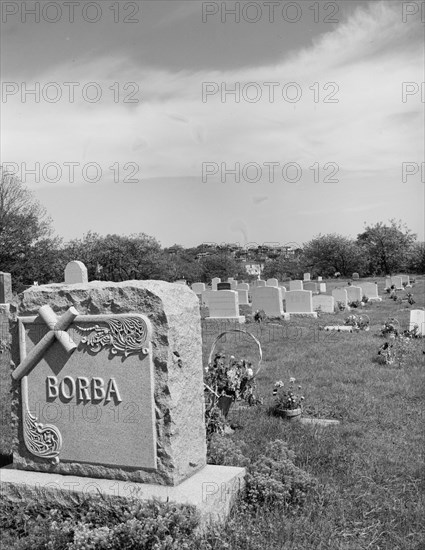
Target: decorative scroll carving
43,440
127,335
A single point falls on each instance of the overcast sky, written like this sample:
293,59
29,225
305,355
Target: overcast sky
316,133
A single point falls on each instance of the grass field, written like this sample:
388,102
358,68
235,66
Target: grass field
370,469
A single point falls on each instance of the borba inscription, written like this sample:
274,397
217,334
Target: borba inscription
87,388
82,389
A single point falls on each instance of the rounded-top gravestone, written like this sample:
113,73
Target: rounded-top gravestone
76,272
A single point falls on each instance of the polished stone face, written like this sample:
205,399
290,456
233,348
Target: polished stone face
101,402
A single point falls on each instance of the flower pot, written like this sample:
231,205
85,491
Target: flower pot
224,403
290,414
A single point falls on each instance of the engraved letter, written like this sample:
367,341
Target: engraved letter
83,392
52,387
64,385
112,389
97,390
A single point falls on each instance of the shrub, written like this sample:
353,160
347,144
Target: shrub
274,479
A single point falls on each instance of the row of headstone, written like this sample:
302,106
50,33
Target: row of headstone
397,281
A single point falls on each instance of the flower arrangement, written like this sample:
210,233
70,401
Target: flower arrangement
260,316
355,304
365,299
227,382
285,399
358,322
234,378
390,328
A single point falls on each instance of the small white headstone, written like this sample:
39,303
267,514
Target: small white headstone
299,301
356,276
306,276
269,299
311,286
354,293
405,279
214,283
260,283
224,304
340,295
417,317
397,282
198,288
205,296
76,272
243,286
370,290
243,297
324,303
319,279
296,285
272,282
322,288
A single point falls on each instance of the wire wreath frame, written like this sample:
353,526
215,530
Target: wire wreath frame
213,349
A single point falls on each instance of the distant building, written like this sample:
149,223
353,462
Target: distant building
253,268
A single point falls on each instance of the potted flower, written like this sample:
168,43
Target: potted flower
287,404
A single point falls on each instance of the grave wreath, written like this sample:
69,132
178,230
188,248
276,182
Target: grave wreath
228,381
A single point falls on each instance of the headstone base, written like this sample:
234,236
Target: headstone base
377,299
239,319
212,490
302,314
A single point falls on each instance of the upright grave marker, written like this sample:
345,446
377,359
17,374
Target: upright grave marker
5,288
108,385
75,272
224,286
306,277
355,276
311,286
370,290
198,288
296,285
268,299
224,304
322,288
397,282
299,302
272,282
214,283
417,318
324,303
354,293
340,295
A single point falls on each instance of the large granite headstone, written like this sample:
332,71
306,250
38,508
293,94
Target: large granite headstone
108,381
108,385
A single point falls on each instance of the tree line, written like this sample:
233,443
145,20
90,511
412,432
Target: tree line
30,251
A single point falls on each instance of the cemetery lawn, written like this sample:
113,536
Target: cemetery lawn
370,470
